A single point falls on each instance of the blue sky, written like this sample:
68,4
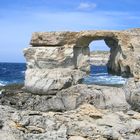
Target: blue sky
19,18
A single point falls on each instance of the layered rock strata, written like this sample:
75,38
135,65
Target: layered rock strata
58,60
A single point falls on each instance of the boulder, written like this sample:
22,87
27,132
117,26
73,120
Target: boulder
132,93
102,97
47,81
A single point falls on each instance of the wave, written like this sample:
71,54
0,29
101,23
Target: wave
23,72
11,73
99,74
105,80
3,68
3,83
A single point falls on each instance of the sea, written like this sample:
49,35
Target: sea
99,76
11,73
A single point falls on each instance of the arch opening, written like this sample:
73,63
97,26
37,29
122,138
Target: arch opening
104,60
99,52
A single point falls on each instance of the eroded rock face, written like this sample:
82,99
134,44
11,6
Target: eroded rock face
69,51
102,97
80,112
49,57
83,123
47,81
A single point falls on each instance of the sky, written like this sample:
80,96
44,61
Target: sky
19,18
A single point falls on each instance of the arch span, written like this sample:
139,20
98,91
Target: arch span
115,63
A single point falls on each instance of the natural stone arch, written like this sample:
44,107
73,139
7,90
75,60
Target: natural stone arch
116,58
58,60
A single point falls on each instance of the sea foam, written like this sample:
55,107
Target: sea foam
104,80
100,76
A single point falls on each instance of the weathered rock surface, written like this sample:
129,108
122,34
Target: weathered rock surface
69,50
53,38
47,81
84,123
83,112
103,97
55,106
132,90
49,57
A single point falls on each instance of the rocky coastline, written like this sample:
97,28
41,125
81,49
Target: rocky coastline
53,104
81,112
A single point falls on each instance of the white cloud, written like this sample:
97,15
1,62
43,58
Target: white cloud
86,6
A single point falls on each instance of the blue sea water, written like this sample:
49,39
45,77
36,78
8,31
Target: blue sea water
15,72
99,75
12,73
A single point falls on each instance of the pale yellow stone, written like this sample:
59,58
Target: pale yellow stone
76,138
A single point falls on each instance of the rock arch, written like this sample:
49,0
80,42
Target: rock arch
57,60
114,41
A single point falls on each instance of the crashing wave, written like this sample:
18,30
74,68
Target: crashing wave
104,80
3,83
99,75
23,72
